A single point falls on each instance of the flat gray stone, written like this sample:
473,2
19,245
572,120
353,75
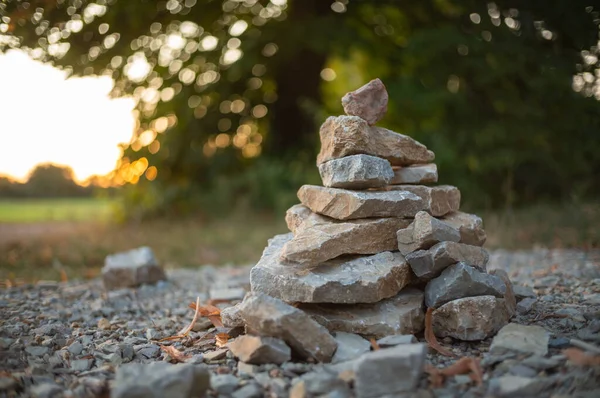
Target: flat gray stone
424,232
470,227
389,372
356,172
224,384
470,318
343,204
401,314
260,350
160,379
415,174
350,346
267,316
459,281
427,264
529,339
227,294
438,200
526,305
348,280
522,292
131,269
397,339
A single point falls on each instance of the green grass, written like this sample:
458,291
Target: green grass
43,210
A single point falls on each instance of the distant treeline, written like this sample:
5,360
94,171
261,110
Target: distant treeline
46,181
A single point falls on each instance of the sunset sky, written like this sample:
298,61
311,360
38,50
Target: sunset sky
47,118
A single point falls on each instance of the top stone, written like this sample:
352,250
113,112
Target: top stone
350,135
368,102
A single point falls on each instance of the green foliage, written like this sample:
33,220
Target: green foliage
503,92
45,181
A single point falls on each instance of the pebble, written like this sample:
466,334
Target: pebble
223,384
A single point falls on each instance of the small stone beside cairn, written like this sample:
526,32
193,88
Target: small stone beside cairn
375,246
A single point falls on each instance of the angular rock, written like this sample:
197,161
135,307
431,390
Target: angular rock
427,264
509,295
223,384
350,135
231,317
389,372
401,314
415,174
356,172
348,280
322,383
459,281
343,204
130,269
368,102
470,227
439,200
522,292
424,232
260,350
268,316
526,305
299,217
312,246
160,379
470,318
350,346
531,339
397,339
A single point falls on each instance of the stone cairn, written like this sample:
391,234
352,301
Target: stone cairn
375,246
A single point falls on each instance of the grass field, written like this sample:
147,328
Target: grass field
45,237
44,210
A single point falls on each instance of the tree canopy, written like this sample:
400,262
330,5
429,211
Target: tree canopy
231,93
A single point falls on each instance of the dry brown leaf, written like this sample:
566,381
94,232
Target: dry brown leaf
210,311
183,332
221,339
430,336
580,358
374,344
175,353
465,365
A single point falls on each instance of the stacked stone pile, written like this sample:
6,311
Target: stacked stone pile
375,246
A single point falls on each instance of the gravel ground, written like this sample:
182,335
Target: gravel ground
70,339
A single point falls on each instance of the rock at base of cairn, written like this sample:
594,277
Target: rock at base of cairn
350,135
356,172
364,279
415,174
369,102
401,314
131,269
470,227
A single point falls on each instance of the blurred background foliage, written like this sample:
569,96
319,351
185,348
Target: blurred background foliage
231,93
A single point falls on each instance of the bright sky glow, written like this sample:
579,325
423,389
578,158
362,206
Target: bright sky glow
47,118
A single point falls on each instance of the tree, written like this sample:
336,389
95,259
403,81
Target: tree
489,87
49,181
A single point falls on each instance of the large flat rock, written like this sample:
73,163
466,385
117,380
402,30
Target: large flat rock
344,204
350,135
400,314
470,318
427,264
368,102
365,279
415,174
439,200
356,172
470,227
325,241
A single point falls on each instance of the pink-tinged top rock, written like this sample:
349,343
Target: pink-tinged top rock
368,102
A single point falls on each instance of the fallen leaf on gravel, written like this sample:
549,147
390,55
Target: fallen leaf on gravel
210,311
175,353
430,337
183,332
221,339
580,358
465,365
374,345
63,276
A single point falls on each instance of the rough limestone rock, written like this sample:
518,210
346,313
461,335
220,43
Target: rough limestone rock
424,232
427,264
258,350
350,346
356,172
368,102
526,339
343,204
350,135
470,318
299,217
509,297
365,279
312,246
415,174
459,281
470,227
131,269
231,317
401,314
389,372
439,200
268,316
